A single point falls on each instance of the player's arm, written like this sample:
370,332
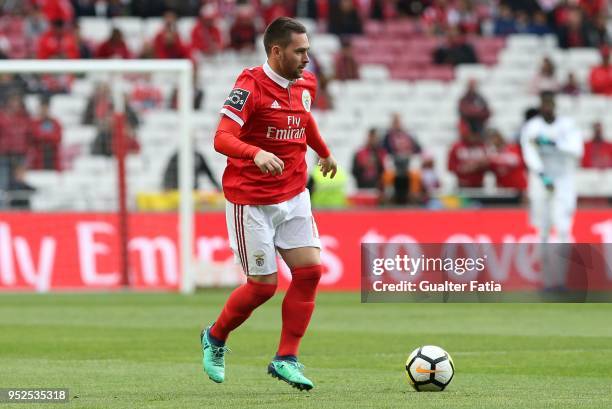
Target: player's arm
571,142
531,156
227,142
314,139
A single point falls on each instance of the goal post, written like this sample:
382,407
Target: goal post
184,71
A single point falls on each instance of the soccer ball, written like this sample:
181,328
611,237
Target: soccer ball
430,368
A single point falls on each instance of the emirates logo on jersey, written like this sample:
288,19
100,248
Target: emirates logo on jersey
293,130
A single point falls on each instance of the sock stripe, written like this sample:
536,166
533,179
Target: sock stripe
238,238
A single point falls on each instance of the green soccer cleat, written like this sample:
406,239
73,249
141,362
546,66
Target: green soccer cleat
213,358
290,372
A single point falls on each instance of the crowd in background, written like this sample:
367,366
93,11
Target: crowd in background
49,29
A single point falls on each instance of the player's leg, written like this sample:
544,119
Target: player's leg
251,240
298,243
539,208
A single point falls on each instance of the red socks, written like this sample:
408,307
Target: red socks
239,306
298,305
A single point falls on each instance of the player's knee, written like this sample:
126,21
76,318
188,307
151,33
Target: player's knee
309,273
264,290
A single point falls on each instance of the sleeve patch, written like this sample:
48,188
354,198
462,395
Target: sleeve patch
237,98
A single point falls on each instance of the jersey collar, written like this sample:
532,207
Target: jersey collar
283,82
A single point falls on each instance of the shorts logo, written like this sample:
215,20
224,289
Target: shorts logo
259,259
237,98
306,100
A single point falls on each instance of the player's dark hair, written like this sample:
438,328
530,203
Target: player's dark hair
279,32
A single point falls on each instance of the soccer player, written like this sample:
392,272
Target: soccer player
552,147
265,128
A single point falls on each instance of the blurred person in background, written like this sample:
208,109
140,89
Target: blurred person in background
114,47
206,36
506,162
401,146
504,22
597,151
275,9
552,148
574,32
456,50
369,163
545,79
243,31
344,19
473,108
58,42
84,46
46,140
200,167
57,10
167,44
345,63
600,78
19,191
571,86
468,158
15,137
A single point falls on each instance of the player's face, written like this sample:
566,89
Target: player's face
548,108
294,57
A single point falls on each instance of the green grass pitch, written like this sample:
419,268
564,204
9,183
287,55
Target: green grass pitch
142,351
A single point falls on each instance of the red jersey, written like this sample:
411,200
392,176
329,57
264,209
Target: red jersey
468,161
508,167
273,113
597,154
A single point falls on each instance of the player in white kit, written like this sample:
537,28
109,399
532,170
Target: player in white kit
552,148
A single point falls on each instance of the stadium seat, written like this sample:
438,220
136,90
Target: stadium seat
96,29
79,135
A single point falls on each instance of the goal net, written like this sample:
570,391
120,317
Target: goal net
94,158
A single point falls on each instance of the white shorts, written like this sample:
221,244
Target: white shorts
256,231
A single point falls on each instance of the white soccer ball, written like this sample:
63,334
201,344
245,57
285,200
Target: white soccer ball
429,368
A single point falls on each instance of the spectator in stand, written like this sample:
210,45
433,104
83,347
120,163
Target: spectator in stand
106,143
19,191
473,108
428,179
600,78
147,8
99,109
506,162
545,79
345,64
11,84
457,50
114,47
206,37
526,6
571,86
574,33
401,146
167,43
46,139
35,25
57,10
468,158
198,94
200,167
593,8
344,19
15,137
597,151
599,35
58,42
435,18
539,24
84,46
464,16
369,163
505,22
243,32
145,95
275,9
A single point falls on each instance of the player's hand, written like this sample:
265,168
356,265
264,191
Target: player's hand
328,165
541,140
269,163
548,182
